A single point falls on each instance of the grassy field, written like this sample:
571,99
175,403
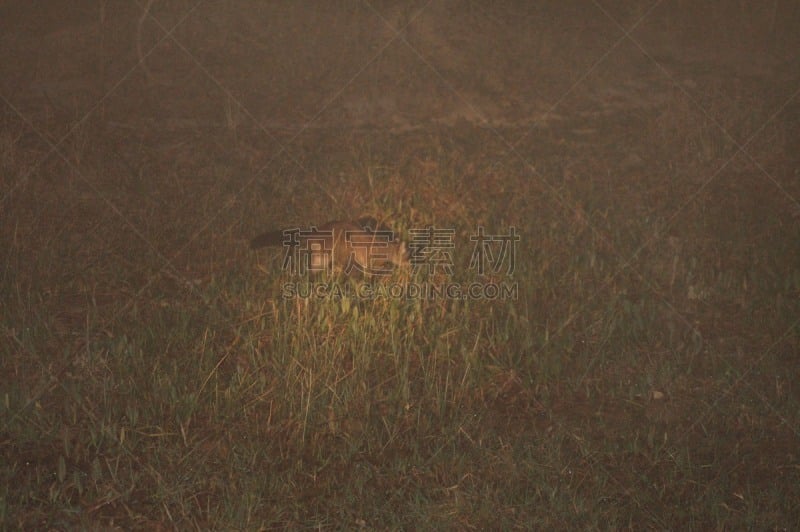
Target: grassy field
646,375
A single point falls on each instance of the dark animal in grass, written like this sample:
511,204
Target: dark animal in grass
359,248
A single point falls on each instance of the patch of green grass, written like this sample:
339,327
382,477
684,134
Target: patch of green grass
643,377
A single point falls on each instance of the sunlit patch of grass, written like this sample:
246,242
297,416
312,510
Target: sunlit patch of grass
641,376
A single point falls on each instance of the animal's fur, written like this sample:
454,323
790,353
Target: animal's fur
361,247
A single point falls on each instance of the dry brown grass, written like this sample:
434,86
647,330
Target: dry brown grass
152,376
